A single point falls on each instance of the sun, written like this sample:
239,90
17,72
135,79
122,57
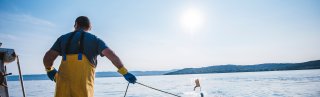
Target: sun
192,20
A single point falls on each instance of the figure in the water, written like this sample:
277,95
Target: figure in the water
198,85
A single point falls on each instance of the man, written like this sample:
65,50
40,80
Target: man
79,50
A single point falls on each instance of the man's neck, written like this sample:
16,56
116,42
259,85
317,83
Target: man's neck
85,30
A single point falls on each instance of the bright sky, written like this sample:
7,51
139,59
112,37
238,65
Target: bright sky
168,34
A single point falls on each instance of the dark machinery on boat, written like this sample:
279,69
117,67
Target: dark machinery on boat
6,56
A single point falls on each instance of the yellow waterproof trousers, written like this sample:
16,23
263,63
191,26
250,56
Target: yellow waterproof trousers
75,77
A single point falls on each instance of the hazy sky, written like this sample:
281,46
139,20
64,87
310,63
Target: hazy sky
168,34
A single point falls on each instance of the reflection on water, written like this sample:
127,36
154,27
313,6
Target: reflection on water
304,83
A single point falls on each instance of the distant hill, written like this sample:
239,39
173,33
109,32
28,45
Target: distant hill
249,68
98,75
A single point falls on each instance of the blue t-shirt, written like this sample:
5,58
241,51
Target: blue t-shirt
92,45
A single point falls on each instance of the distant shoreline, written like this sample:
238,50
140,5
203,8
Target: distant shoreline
310,65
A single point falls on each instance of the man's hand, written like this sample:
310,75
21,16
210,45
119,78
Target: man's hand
128,76
48,60
52,72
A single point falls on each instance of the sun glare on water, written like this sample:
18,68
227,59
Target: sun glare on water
192,20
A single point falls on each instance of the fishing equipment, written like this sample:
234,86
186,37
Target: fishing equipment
21,77
153,89
7,56
125,93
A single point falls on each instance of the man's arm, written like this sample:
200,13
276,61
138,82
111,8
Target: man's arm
112,57
49,58
116,62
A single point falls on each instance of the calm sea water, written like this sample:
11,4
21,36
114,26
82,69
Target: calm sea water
298,83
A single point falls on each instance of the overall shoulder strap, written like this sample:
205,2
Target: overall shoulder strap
80,48
69,42
64,57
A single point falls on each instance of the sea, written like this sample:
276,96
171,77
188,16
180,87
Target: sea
293,83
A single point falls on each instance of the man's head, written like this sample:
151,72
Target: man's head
82,22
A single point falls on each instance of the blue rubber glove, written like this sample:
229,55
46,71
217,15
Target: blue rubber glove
130,78
51,74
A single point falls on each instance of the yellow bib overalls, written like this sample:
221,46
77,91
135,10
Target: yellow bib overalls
75,77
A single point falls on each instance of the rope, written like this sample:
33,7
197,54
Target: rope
158,89
126,90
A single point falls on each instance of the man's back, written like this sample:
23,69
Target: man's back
92,46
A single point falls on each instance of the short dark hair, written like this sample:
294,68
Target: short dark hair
82,22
